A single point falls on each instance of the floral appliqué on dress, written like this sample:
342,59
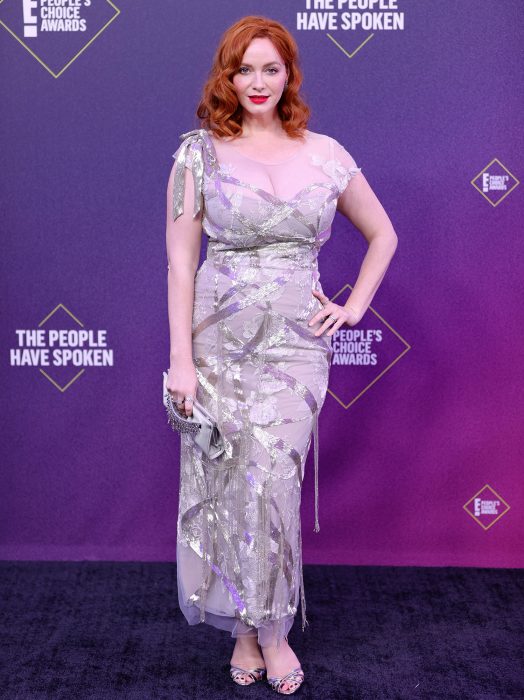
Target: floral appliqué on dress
226,169
335,169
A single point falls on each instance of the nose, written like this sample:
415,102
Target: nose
258,81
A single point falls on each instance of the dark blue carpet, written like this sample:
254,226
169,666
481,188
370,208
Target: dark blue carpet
106,630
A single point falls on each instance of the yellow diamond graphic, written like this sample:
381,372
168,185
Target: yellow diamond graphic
486,507
356,50
347,401
495,182
44,35
42,323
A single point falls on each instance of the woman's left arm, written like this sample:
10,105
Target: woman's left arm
361,206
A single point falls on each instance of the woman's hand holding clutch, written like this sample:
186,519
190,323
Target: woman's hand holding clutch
182,385
194,419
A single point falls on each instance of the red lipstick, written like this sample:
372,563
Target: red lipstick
258,99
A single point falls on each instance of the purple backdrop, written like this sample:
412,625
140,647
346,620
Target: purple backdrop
421,434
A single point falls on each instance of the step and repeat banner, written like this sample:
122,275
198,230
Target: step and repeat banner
421,437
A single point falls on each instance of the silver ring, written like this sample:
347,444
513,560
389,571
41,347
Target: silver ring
334,318
188,398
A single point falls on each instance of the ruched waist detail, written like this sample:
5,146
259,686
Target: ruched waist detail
280,254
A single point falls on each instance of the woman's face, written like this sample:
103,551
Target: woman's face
262,73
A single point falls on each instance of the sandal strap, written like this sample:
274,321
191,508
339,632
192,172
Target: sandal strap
296,675
255,673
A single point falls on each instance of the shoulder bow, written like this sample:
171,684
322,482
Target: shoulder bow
201,158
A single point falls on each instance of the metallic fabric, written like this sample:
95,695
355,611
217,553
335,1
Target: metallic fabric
263,375
243,676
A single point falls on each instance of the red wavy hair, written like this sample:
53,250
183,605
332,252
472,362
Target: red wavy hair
219,109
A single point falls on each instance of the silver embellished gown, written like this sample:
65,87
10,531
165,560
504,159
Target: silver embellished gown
261,372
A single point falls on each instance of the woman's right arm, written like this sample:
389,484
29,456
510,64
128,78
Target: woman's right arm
183,243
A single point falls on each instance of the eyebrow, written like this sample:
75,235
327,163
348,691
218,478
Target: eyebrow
265,64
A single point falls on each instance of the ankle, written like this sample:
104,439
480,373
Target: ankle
247,646
250,641
275,646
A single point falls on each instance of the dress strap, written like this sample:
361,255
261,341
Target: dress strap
315,438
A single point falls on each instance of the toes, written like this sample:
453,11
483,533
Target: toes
289,685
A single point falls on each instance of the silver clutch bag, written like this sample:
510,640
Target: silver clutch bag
202,426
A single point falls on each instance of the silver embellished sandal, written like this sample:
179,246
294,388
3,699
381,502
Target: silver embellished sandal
244,676
293,679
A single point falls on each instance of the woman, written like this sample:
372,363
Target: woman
250,335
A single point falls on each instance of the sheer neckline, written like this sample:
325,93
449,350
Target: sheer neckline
260,190
263,162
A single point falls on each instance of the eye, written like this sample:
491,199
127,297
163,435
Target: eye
245,68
